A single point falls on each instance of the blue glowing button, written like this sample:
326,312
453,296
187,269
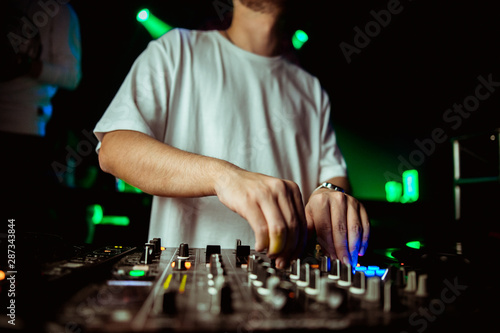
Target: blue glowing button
361,268
369,273
380,272
373,268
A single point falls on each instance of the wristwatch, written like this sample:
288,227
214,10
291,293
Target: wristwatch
331,187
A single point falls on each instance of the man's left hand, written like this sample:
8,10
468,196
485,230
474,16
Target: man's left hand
341,224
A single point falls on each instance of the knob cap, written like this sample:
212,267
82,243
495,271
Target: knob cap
422,286
373,289
211,249
147,254
184,250
411,284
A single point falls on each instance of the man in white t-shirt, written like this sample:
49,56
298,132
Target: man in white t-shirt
232,140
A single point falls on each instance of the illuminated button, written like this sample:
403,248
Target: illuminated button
373,268
137,273
369,273
361,268
380,272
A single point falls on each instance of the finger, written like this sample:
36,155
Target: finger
257,221
318,219
354,229
277,227
292,209
290,219
300,214
365,221
338,214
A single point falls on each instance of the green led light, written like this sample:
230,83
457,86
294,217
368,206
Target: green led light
116,220
143,15
410,186
414,244
153,24
137,273
299,38
406,192
393,191
388,252
124,187
95,213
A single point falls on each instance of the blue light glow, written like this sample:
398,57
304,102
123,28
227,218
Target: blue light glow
369,273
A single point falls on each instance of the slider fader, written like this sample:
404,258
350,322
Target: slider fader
184,289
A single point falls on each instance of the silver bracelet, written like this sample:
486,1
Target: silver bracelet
331,187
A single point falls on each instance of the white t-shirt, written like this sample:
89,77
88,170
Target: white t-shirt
198,92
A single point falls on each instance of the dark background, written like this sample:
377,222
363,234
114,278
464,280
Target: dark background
395,91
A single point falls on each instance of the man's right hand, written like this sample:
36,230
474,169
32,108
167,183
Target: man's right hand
274,209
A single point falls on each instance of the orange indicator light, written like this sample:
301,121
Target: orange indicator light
187,264
173,264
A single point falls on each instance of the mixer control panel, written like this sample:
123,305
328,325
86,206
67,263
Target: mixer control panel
184,289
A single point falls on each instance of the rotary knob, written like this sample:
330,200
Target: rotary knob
183,251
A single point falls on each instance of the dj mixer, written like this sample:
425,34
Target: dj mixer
152,288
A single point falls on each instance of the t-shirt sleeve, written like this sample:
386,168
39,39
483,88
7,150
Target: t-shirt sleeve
141,102
332,162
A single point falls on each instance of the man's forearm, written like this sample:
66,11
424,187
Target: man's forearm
160,169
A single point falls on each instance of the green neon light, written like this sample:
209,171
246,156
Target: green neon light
96,213
388,252
299,38
410,186
414,244
406,192
153,24
393,191
143,15
124,187
137,273
116,220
